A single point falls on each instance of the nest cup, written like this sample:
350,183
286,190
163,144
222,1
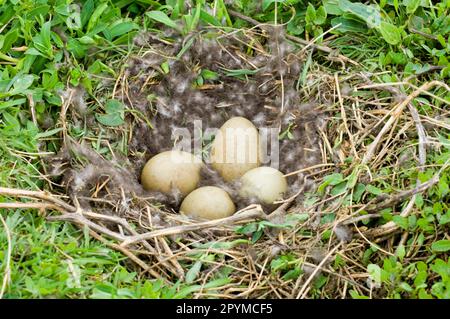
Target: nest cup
253,73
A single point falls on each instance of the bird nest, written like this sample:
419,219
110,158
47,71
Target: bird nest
333,121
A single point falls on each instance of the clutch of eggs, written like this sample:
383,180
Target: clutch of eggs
235,155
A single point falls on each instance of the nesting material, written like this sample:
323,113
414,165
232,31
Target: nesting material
178,99
172,171
269,95
208,202
307,103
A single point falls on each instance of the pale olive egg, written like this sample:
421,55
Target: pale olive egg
235,149
265,183
172,170
208,202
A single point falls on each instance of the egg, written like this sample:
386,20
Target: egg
208,202
265,183
172,170
236,149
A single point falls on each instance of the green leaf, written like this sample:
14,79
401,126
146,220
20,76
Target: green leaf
441,267
257,235
401,221
445,219
292,274
186,291
114,114
332,7
42,41
45,35
328,218
209,75
161,17
76,47
217,283
356,295
97,67
411,5
321,16
206,17
334,179
33,51
296,26
22,83
10,103
87,40
310,13
86,11
352,178
96,16
9,40
200,81
374,190
247,229
406,287
122,28
368,14
239,72
390,33
320,281
349,24
185,47
358,192
419,200
196,17
374,272
192,273
441,245
165,67
339,189
48,133
443,188
219,245
400,252
266,3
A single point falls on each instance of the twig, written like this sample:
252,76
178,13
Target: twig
79,219
344,116
14,192
311,43
127,253
395,113
313,274
310,168
254,212
7,272
32,109
359,218
390,227
425,35
401,196
422,159
172,259
421,134
17,205
432,68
